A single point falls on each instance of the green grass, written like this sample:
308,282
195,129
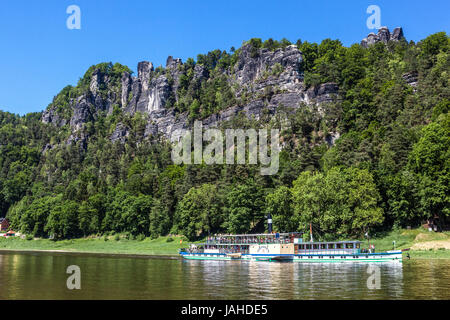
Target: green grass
420,240
147,246
430,254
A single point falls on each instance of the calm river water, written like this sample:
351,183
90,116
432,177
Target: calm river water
43,276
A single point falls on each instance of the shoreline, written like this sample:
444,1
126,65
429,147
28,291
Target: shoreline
414,254
422,245
162,247
93,253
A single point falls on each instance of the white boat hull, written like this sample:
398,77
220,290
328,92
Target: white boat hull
393,256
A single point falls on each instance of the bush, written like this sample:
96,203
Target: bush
117,237
140,237
29,237
169,240
154,236
277,69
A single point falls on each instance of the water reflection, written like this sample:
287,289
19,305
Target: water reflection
43,276
266,280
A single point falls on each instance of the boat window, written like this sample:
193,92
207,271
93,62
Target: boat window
349,245
358,246
308,247
302,247
338,245
315,246
330,246
323,246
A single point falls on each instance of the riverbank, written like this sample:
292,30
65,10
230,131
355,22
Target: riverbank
163,246
423,244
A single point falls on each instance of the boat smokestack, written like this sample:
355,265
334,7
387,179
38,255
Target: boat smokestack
269,223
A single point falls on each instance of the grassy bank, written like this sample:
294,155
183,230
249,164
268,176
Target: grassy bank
160,246
423,244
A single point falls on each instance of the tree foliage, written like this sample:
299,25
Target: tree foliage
373,159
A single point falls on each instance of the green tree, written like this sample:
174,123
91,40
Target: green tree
160,222
63,220
341,203
308,199
199,212
429,159
279,205
135,217
244,207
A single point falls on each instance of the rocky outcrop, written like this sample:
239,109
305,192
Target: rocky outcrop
120,134
280,69
384,36
126,89
145,70
332,137
146,92
411,78
81,113
269,80
51,116
323,93
200,72
150,90
397,35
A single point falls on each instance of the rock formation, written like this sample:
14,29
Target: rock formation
384,36
269,80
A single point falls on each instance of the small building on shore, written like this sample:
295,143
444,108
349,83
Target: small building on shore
4,224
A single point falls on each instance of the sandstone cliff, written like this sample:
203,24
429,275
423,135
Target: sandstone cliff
266,79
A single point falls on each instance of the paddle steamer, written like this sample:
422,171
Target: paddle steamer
284,247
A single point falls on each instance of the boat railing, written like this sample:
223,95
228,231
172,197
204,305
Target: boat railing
220,250
249,242
329,251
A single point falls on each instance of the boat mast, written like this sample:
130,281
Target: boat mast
269,222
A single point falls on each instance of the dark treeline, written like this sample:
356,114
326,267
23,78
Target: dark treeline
389,168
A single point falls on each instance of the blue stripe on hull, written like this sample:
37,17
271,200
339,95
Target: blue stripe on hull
369,257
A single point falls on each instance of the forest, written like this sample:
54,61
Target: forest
388,169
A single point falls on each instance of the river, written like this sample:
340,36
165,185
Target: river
43,276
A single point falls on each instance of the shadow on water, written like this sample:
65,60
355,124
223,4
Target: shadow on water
43,276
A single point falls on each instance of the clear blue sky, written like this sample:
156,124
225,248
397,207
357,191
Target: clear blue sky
39,55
